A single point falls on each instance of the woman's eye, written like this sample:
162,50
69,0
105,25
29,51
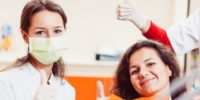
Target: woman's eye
150,64
40,33
58,31
134,72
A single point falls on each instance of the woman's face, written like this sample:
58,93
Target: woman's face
148,74
46,24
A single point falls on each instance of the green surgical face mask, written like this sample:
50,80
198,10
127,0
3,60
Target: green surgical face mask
47,50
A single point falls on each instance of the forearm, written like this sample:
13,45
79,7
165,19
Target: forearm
154,32
146,27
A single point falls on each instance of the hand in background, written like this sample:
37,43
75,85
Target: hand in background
127,11
100,92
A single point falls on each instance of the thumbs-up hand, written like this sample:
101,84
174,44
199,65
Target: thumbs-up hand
126,11
45,91
100,92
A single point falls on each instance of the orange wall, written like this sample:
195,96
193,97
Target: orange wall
86,86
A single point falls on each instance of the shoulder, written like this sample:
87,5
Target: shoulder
63,84
194,18
68,90
67,85
13,74
65,89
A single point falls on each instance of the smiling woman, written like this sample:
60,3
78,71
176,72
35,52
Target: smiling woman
145,71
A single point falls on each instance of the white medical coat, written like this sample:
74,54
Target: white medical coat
186,36
21,83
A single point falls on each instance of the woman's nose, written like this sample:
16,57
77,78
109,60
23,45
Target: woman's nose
49,35
144,72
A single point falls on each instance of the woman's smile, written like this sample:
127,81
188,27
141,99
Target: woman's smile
146,81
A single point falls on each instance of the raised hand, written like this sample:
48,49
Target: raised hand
45,91
126,11
100,92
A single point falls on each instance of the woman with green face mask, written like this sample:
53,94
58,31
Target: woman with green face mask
39,75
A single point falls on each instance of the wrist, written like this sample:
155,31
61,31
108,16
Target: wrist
139,20
146,27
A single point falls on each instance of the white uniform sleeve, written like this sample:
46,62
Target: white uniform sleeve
186,36
6,92
67,92
70,92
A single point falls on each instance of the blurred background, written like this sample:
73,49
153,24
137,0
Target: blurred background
95,38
